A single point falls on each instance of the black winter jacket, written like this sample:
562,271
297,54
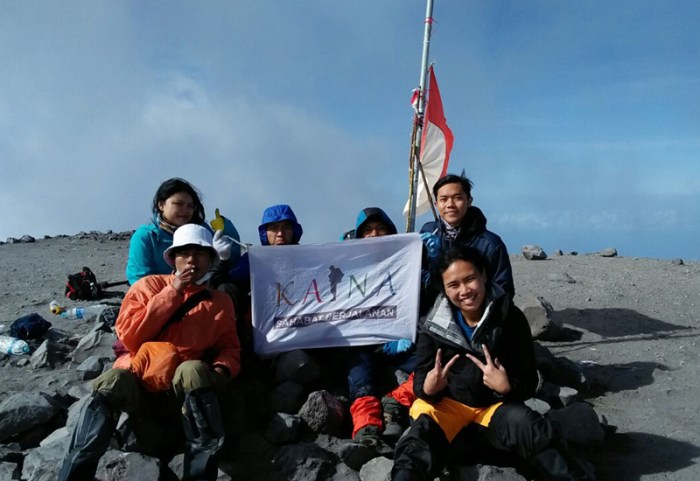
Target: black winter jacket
473,233
505,332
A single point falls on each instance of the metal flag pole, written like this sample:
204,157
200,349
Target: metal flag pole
414,171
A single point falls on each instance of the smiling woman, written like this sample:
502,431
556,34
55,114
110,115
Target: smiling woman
475,366
175,203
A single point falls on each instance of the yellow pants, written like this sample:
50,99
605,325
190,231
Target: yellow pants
453,416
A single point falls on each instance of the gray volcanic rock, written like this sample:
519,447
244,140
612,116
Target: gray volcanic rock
22,412
533,252
322,412
540,316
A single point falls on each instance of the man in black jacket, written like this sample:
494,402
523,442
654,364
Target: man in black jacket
463,224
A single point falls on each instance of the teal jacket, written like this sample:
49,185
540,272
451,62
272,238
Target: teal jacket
149,242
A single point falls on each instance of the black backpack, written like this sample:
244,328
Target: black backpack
83,286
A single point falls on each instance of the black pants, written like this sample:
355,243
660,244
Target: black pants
421,452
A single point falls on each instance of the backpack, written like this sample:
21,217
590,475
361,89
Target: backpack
31,326
83,286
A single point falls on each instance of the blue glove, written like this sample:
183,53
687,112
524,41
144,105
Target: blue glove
397,347
432,244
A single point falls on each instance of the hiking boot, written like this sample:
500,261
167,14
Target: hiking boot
204,435
395,419
89,439
369,436
365,446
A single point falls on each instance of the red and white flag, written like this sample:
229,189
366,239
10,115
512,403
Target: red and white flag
435,146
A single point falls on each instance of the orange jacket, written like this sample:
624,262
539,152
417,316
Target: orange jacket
209,326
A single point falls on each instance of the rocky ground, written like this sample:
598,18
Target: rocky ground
631,323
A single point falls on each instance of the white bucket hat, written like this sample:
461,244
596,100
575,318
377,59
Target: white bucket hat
190,234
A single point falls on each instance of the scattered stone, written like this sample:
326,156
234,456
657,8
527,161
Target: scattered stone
282,428
23,412
344,473
96,343
677,262
27,239
40,357
43,463
303,462
108,315
566,372
533,252
322,412
561,278
287,397
119,466
573,253
578,423
92,367
538,405
297,366
355,455
558,252
609,252
378,469
540,315
177,464
557,396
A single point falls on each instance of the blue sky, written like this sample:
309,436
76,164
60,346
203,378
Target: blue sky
579,122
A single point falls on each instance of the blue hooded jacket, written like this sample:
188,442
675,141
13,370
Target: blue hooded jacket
278,213
373,214
240,272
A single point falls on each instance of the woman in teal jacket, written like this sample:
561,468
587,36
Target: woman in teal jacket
175,203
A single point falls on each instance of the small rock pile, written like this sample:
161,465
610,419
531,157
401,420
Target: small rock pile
93,234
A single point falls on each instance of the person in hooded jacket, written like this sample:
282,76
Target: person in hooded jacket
364,362
279,226
475,366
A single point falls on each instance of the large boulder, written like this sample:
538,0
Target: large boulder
533,252
540,316
322,412
22,412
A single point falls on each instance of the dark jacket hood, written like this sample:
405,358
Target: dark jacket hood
373,214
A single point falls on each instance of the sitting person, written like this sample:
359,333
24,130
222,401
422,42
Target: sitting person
278,227
175,203
364,361
475,364
198,326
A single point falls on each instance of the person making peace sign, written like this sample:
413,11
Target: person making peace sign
475,366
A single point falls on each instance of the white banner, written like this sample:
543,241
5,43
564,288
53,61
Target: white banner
351,293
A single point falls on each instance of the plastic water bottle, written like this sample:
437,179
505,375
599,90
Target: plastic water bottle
12,345
76,312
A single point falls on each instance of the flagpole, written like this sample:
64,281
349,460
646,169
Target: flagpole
415,167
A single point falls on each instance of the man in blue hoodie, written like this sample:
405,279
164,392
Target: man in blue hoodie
364,361
279,226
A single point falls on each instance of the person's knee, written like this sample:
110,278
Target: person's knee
522,429
120,386
191,375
